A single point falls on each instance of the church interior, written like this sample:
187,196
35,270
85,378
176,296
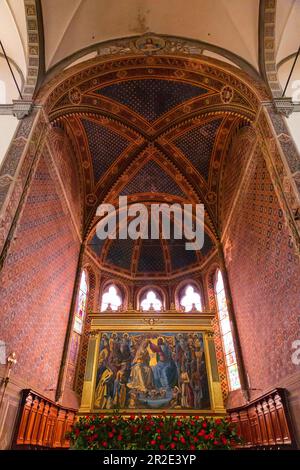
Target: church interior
169,102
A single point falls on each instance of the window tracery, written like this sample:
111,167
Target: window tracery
111,299
151,302
191,300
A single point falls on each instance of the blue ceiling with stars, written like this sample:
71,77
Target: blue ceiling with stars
153,179
198,143
151,98
105,146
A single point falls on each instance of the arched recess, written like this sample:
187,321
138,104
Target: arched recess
241,100
122,257
230,91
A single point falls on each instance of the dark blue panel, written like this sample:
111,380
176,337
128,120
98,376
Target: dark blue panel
152,178
197,145
120,253
151,98
151,257
180,257
105,146
208,245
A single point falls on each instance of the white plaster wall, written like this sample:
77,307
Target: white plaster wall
8,125
293,123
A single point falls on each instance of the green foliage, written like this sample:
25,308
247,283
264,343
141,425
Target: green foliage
164,432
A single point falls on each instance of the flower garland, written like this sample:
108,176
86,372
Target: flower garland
147,432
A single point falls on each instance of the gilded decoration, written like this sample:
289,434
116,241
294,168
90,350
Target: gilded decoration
150,44
162,363
210,102
103,102
227,94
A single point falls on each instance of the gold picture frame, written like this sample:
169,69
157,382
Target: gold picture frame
152,324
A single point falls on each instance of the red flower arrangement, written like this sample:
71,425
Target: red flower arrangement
166,432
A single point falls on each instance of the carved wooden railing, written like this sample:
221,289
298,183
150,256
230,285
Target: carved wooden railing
265,422
42,423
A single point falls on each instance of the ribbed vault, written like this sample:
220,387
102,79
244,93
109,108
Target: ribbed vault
154,129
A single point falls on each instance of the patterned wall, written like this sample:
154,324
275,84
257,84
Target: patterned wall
264,274
67,166
36,284
232,170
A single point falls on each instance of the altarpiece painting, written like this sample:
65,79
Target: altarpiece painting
151,370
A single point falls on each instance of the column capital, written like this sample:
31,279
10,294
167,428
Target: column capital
21,108
285,106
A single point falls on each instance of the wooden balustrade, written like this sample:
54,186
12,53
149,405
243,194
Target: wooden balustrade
42,423
262,423
265,422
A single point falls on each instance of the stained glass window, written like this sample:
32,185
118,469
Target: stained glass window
191,300
111,299
151,302
81,303
226,333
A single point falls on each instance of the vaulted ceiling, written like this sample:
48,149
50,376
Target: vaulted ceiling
149,258
74,25
151,136
150,115
153,132
150,95
42,37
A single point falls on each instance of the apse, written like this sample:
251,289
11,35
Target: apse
192,114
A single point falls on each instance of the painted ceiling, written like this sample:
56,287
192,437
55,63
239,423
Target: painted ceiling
144,122
153,139
149,258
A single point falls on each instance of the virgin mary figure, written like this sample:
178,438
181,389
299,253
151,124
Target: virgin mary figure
141,377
